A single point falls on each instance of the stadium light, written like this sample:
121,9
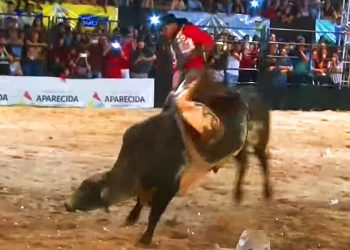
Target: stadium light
154,20
116,45
254,3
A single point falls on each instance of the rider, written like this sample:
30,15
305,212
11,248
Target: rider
190,47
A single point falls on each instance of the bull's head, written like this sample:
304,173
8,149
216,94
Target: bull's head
90,195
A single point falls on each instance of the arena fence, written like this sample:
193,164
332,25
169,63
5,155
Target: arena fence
308,77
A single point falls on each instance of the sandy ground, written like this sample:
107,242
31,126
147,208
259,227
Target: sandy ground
46,152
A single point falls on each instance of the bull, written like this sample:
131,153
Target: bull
153,161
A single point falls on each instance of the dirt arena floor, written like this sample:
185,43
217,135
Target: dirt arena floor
46,152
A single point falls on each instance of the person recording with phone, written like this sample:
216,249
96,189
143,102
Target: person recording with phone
78,65
82,66
114,60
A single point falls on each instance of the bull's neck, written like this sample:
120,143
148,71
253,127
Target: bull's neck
121,184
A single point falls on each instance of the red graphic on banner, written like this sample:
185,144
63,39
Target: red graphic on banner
96,96
27,95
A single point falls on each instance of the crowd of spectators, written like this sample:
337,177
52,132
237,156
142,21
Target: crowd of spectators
28,48
283,62
284,10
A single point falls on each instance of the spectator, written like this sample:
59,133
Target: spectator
84,42
271,9
114,61
303,8
194,5
247,62
32,64
96,57
238,8
328,10
282,7
233,61
287,15
59,57
16,45
70,62
10,16
15,42
127,46
272,51
29,15
315,9
302,62
148,4
38,26
335,68
68,38
282,69
141,60
178,5
320,66
5,57
77,37
82,68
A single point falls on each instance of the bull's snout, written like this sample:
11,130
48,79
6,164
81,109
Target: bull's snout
68,207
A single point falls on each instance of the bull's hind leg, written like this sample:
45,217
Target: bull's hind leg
242,167
134,214
159,203
261,154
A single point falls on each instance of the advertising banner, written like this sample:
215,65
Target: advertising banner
94,93
88,15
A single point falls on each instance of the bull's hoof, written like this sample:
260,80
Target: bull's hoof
145,240
106,208
130,221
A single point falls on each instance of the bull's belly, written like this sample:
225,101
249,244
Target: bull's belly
191,172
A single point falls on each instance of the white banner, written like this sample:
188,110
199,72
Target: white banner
54,92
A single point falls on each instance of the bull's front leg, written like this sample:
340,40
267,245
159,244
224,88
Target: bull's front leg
160,201
134,214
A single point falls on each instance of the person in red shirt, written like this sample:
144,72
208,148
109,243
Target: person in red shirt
190,46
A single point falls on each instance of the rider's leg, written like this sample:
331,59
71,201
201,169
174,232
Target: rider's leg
198,115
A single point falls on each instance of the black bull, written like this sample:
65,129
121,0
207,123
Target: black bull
153,155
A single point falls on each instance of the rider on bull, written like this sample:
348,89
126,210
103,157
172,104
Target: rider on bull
190,47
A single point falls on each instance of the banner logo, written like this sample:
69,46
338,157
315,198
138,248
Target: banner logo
95,101
27,99
91,21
